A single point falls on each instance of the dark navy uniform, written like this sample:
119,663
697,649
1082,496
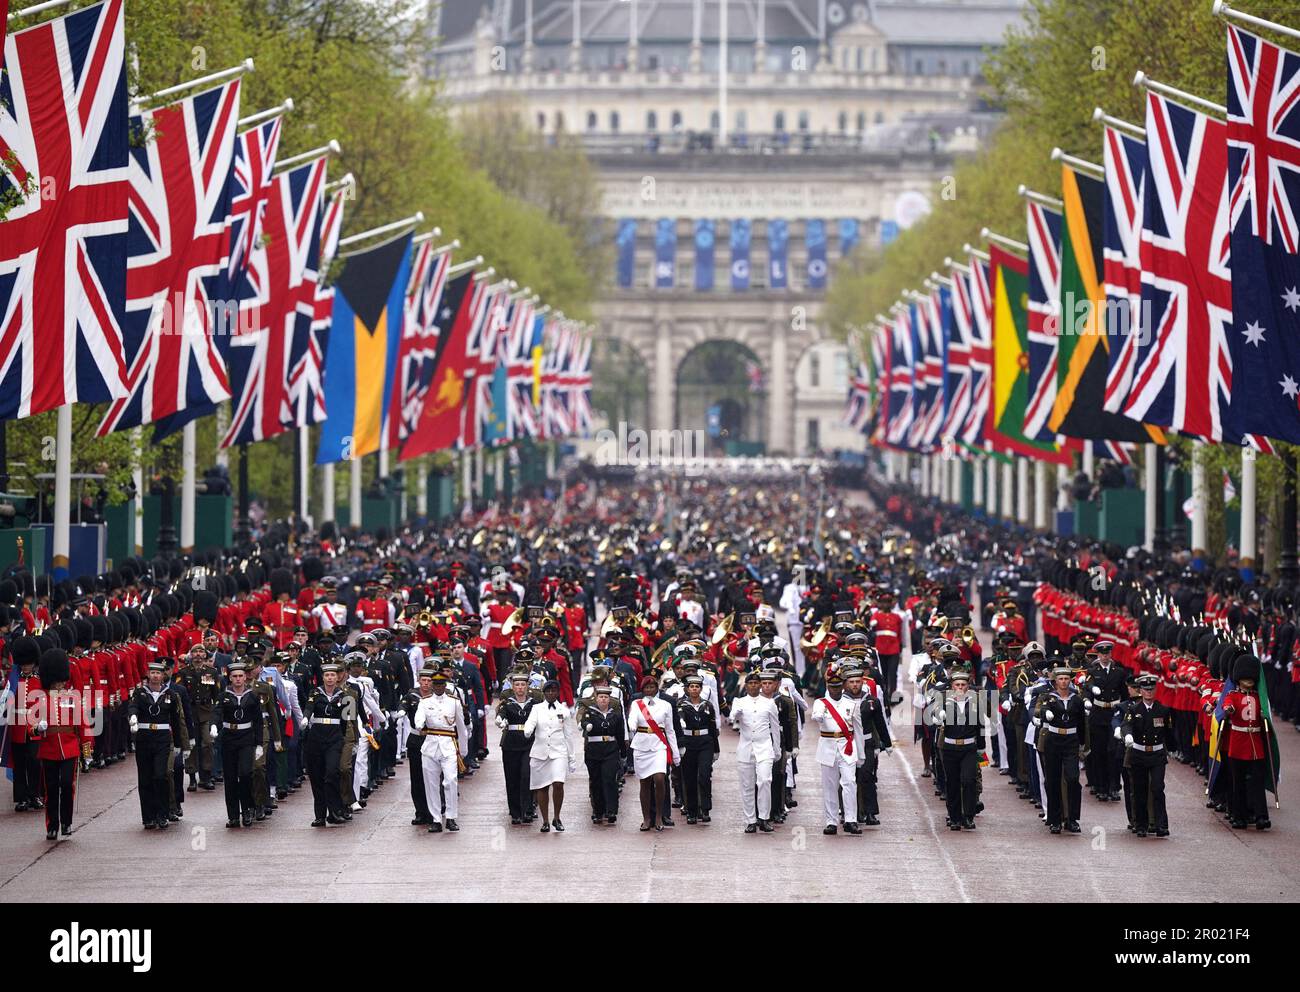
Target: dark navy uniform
326,716
606,745
241,735
158,720
1145,723
697,735
1063,726
511,717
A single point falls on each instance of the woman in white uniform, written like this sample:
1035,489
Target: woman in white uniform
654,745
552,754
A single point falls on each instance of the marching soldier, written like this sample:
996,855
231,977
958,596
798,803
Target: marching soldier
327,712
414,741
203,684
871,736
1248,747
511,716
759,722
1143,731
1104,688
1061,720
440,720
271,737
603,727
241,736
834,715
156,719
961,736
697,734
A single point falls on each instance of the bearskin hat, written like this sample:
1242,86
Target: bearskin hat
25,651
1245,667
54,667
281,582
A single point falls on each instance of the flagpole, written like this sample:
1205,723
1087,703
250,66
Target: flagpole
420,239
1040,494
188,444
1221,9
333,148
1152,495
326,492
304,472
1078,164
212,77
1005,242
354,510
137,480
252,120
62,537
374,232
347,179
36,9
455,270
1164,89
1119,124
1249,537
1040,198
1199,523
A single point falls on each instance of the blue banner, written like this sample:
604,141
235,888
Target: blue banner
778,237
888,232
815,237
703,255
626,241
665,253
848,235
740,232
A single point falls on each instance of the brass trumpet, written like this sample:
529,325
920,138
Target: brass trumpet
968,636
513,621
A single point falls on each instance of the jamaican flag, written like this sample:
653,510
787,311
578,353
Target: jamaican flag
1006,425
1083,343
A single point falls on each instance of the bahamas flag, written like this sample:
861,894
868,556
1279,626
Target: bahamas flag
361,364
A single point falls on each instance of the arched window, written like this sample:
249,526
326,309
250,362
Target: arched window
815,370
844,121
862,121
613,122
651,121
676,120
742,120
591,120
803,120
778,122
714,121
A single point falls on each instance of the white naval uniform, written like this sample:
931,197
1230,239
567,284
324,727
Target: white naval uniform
361,753
552,754
649,756
791,601
444,715
759,723
329,615
839,782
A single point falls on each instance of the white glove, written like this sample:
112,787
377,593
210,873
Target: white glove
1005,706
212,732
1087,705
1037,722
176,753
1128,740
258,752
42,726
1096,690
185,756
794,753
888,750
480,714
573,765
133,724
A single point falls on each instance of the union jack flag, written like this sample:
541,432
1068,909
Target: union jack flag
580,389
251,179
880,363
521,416
1125,168
306,378
901,409
489,322
554,412
1044,316
935,361
957,378
63,125
973,303
177,289
1264,172
261,362
857,411
418,352
1182,378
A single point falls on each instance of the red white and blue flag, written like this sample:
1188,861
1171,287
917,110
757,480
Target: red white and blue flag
251,179
1263,135
1125,191
418,351
262,360
1044,317
901,409
64,130
973,301
177,291
306,378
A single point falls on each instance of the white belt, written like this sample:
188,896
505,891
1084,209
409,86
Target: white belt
316,720
154,726
959,740
238,726
515,726
1102,704
696,733
1149,747
600,739
1060,730
1245,730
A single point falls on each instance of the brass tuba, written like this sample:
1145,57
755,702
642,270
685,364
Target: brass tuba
513,622
968,636
723,629
818,634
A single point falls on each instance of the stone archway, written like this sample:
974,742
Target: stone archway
721,389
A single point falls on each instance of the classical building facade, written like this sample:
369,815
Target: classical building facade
832,125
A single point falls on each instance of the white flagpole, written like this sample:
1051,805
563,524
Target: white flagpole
374,232
1249,537
327,492
1200,528
62,538
188,439
1040,494
252,120
1040,198
1009,243
1164,89
137,480
1149,496
1221,9
1078,164
354,510
35,9
420,239
1119,124
304,472
212,77
333,148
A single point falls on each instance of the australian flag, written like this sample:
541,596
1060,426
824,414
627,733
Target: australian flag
1264,184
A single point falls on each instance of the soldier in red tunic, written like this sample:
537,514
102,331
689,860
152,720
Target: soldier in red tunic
282,615
62,724
1247,748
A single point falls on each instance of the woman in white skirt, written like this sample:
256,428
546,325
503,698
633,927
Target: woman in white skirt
552,754
654,747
